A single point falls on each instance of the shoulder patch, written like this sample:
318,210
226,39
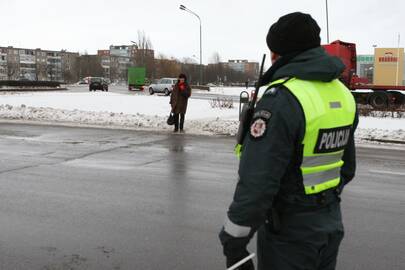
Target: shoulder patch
258,128
259,124
266,115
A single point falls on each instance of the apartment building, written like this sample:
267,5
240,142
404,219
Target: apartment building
36,64
3,64
119,58
105,59
244,66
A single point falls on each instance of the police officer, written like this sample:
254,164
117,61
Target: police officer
298,155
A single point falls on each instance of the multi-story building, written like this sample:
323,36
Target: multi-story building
105,62
119,58
27,64
244,66
116,60
237,65
3,64
69,66
36,64
252,69
13,63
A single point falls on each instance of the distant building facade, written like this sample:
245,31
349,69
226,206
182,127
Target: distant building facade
119,58
3,64
365,66
244,66
36,64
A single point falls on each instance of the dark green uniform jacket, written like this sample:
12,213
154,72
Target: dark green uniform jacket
269,168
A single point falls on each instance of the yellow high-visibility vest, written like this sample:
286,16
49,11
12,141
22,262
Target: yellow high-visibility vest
329,110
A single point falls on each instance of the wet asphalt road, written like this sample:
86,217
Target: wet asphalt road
81,198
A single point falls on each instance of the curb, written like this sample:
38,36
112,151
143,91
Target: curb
384,141
32,89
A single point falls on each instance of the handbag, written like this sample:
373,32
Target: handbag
170,120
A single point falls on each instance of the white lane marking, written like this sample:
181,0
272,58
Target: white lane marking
387,172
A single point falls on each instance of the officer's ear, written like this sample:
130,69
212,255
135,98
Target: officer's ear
274,57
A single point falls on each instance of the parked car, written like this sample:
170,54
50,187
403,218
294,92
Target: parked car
97,83
164,85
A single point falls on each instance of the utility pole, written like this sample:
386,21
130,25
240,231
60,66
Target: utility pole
397,77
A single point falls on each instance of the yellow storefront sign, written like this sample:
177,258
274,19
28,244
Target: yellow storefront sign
388,66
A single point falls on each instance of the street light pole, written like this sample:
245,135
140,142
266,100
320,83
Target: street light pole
396,81
327,21
182,7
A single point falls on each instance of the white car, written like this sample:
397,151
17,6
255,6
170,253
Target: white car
164,85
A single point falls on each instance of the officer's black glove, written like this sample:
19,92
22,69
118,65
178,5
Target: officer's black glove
235,250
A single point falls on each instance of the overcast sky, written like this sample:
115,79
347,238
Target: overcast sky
236,29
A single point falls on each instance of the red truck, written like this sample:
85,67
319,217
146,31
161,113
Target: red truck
378,96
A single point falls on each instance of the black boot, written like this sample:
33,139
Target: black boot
176,122
181,122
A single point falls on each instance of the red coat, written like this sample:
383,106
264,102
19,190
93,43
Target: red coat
179,98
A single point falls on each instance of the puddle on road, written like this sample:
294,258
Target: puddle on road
13,133
72,142
101,164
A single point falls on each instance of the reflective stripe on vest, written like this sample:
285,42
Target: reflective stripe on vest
329,111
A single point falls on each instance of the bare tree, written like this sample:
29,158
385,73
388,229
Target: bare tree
89,65
69,76
190,67
215,72
144,54
166,67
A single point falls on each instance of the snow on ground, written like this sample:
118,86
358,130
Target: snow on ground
229,91
373,128
150,112
105,108
117,103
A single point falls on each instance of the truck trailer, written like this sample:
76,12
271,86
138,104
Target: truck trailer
378,96
136,78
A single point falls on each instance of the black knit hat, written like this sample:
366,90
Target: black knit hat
293,32
183,76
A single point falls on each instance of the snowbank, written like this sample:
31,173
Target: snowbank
117,103
226,91
150,112
230,91
111,119
112,109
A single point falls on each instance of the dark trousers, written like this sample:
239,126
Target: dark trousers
176,121
306,241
